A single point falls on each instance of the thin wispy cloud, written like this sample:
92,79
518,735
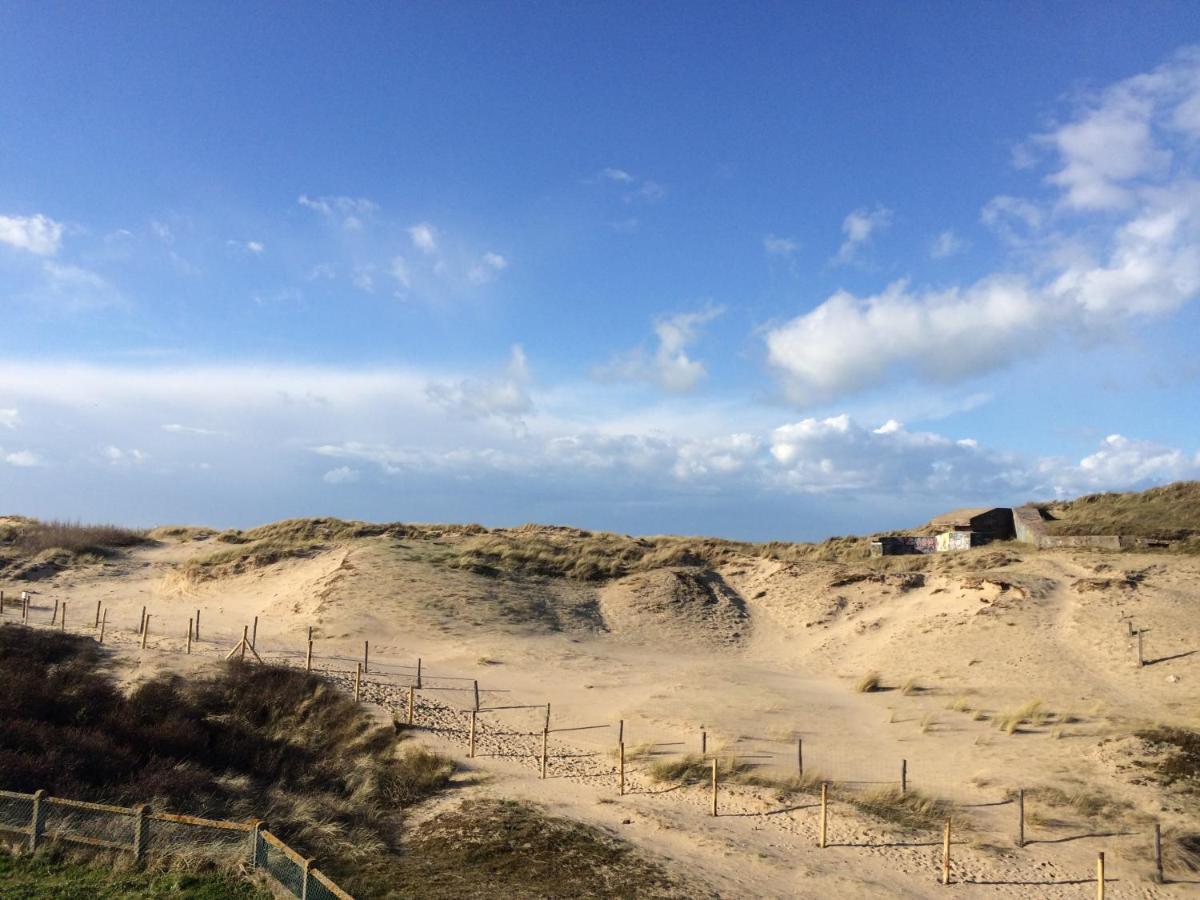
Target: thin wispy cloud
859,227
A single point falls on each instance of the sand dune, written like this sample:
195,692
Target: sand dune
758,652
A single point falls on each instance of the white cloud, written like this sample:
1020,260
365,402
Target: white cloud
341,475
635,187
779,246
618,175
37,233
189,429
9,418
1013,218
947,244
859,227
424,237
670,367
486,268
73,286
505,396
363,278
23,459
118,457
351,212
1122,462
847,343
1140,257
254,248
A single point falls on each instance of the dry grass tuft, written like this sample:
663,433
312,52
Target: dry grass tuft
869,683
1030,713
25,538
908,810
910,687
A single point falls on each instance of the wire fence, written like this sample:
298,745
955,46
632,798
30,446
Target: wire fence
38,820
489,723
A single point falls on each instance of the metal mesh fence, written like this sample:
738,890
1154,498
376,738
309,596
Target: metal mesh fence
16,813
280,866
91,825
195,840
145,833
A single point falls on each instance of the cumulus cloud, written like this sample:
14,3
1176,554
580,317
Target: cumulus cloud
859,227
424,237
37,234
22,459
1089,283
9,418
340,475
1122,462
505,396
670,367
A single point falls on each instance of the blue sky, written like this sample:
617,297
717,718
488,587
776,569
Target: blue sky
762,271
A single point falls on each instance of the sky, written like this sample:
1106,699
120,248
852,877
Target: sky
763,271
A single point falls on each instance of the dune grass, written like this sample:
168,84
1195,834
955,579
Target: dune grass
1030,713
869,683
1176,762
1171,512
30,537
912,809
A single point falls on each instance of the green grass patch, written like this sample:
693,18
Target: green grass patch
49,878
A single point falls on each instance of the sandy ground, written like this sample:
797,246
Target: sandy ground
757,655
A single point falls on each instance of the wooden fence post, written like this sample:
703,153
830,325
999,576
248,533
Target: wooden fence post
142,621
25,608
824,812
412,703
366,656
189,639
1141,658
714,786
308,657
477,699
904,776
471,751
703,743
545,749
54,616
304,882
358,670
245,631
103,622
256,841
141,831
197,624
97,613
800,755
38,823
1100,874
1021,817
62,623
145,631
946,854
1158,863
254,633
419,672
547,715
621,757
621,731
